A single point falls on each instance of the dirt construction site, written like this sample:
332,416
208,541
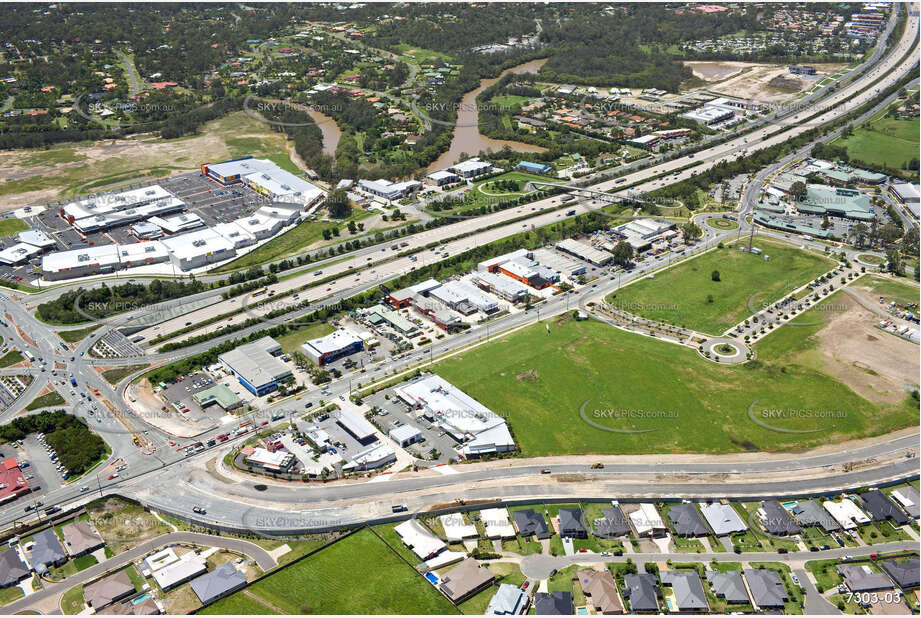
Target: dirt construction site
765,83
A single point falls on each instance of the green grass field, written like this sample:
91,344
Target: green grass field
48,399
358,575
295,338
722,224
114,376
890,289
11,358
682,295
632,382
887,142
73,336
8,227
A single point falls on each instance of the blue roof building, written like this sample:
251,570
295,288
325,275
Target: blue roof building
534,168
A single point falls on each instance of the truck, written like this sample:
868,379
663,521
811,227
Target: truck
567,198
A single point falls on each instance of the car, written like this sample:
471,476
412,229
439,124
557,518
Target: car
198,509
605,553
795,579
582,550
545,470
525,585
84,489
597,465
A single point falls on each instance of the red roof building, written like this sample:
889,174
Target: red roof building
12,482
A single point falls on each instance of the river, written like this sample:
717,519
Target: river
467,137
330,130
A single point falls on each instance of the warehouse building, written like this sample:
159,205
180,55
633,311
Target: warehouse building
256,366
560,264
389,190
471,168
585,252
199,248
492,264
461,416
462,296
404,435
533,168
404,298
380,314
441,178
529,272
343,342
503,287
357,425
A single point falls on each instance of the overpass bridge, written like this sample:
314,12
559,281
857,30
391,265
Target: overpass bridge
595,194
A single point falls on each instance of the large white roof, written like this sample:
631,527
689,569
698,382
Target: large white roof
103,255
108,202
449,405
197,243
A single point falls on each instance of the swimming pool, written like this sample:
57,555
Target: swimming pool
788,505
432,578
140,599
582,611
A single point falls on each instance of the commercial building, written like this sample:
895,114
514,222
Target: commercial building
357,425
266,178
379,314
508,601
404,435
235,234
846,513
267,221
767,589
441,178
145,230
837,202
471,168
389,190
12,481
908,195
464,298
338,344
220,395
492,264
462,417
256,366
464,580
641,234
219,583
180,223
18,253
375,456
199,248
527,271
641,589
534,168
722,518
585,252
273,461
80,538
688,590
646,142
110,203
36,238
508,289
710,114
107,590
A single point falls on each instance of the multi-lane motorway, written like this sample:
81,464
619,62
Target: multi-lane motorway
155,477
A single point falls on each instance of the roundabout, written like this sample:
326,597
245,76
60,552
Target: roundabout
724,350
722,223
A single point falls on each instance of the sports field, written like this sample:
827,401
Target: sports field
540,380
686,295
358,575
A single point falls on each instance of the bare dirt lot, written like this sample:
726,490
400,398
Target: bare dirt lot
747,80
876,364
31,177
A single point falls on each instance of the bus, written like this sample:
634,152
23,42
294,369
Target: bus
28,355
259,292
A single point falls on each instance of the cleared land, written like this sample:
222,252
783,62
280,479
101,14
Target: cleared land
887,141
37,176
904,293
632,382
686,295
358,575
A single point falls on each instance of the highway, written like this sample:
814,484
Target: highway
154,478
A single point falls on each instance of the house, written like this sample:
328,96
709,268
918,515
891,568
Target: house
861,578
422,542
456,530
767,589
728,586
686,520
647,521
904,573
882,508
613,525
907,497
641,590
47,551
571,525
108,590
600,591
217,584
529,522
688,590
508,601
809,513
497,523
80,538
776,520
465,580
557,603
722,518
12,569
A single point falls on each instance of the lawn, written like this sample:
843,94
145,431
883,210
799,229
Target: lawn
722,224
114,376
686,295
48,399
11,358
890,289
618,378
79,334
8,595
357,575
887,142
8,227
296,337
72,601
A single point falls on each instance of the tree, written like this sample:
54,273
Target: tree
338,204
895,264
623,253
715,275
798,190
859,233
691,231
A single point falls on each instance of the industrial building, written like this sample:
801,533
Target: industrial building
642,234
404,435
522,267
357,426
471,168
343,342
256,366
562,265
464,298
508,289
389,190
266,178
380,314
585,252
441,178
466,420
533,168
